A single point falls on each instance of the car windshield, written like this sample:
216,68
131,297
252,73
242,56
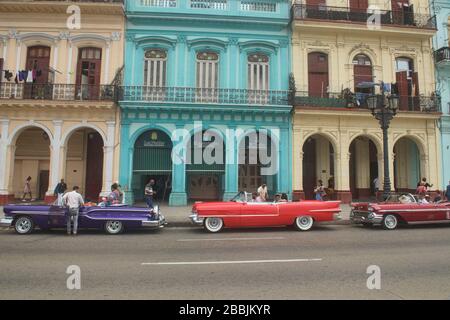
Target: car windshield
403,198
242,197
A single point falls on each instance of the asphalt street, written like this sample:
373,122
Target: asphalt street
329,262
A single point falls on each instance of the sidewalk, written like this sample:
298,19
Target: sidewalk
178,216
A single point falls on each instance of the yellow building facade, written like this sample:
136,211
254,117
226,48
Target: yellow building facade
337,56
58,117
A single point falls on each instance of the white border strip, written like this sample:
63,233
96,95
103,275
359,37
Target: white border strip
225,262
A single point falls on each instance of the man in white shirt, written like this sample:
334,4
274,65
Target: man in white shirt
262,192
73,200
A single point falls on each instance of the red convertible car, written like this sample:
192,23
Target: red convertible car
241,211
399,208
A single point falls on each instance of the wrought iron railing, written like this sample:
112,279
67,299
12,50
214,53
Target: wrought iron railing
387,17
442,54
64,92
203,95
358,101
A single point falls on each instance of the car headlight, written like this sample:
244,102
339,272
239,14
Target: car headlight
371,215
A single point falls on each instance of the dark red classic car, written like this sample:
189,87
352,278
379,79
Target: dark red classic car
399,208
241,212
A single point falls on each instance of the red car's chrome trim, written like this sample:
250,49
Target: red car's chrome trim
412,210
429,222
325,210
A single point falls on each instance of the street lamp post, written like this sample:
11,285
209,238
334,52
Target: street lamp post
384,108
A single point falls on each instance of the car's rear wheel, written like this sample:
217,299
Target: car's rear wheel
113,227
304,223
213,224
24,225
390,222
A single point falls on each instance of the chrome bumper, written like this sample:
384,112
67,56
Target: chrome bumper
196,220
365,217
6,222
155,223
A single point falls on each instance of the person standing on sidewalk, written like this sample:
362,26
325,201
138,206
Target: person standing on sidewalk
149,192
447,192
73,200
59,191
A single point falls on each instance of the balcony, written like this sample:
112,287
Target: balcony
442,55
203,96
57,92
243,8
358,102
347,15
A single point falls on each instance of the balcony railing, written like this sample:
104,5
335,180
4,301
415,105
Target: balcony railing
203,96
358,101
60,92
394,18
442,55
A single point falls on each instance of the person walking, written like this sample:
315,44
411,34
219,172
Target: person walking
447,192
60,189
73,200
27,189
319,191
149,193
262,192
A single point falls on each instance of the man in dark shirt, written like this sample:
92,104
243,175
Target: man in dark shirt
149,192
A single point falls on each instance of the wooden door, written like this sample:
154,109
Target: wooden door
88,73
203,187
318,74
402,85
415,91
94,166
315,3
309,168
398,16
38,61
43,183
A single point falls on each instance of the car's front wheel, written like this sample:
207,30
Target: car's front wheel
304,223
390,222
213,224
113,227
24,225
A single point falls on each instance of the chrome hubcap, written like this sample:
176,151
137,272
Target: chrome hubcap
114,226
214,223
23,225
391,221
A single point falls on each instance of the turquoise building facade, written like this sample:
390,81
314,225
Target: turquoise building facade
441,44
205,107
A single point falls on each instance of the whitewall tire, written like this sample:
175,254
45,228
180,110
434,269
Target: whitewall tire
304,223
213,224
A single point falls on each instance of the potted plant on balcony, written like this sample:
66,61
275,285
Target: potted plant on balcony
348,96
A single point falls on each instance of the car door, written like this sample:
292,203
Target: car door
259,214
57,216
422,212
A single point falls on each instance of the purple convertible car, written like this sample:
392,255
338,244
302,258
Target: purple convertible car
113,219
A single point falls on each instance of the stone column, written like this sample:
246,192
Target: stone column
231,165
108,156
55,160
297,168
178,196
126,158
5,197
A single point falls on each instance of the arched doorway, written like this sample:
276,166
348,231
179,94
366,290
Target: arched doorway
407,166
362,72
363,167
258,156
318,164
32,159
84,163
318,74
152,159
206,168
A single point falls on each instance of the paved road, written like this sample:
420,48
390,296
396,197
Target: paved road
328,262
